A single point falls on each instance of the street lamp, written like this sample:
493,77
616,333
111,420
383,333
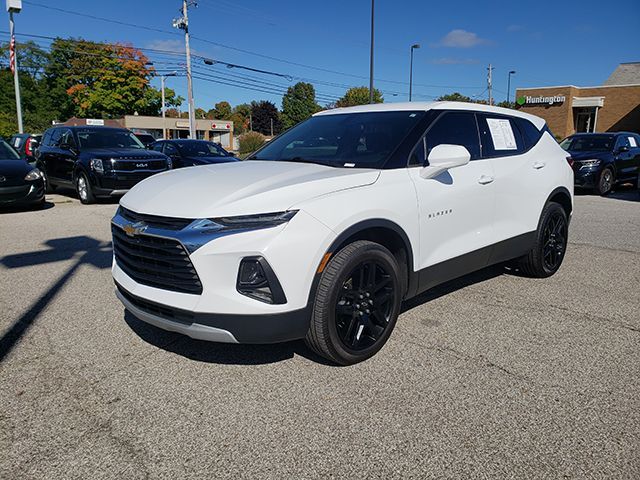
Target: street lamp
511,72
14,6
413,47
164,107
371,56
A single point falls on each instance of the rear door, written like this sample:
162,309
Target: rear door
52,155
67,155
456,207
171,151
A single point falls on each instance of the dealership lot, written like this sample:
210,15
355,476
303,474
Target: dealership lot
494,375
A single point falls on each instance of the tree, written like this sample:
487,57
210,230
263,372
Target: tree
506,104
250,142
298,104
454,97
359,96
200,113
263,113
172,113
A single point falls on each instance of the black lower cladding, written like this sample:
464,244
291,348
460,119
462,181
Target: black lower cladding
22,194
155,261
266,328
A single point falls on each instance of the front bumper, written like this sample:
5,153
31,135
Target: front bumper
27,194
585,178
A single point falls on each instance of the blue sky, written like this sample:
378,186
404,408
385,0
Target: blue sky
546,43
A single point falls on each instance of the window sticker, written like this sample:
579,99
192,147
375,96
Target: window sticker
502,134
632,142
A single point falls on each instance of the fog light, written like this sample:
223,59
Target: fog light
257,280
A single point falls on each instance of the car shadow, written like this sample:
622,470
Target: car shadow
85,250
26,208
220,353
625,191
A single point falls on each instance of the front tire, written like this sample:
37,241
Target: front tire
357,303
546,256
84,190
605,182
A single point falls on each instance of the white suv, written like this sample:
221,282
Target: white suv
323,232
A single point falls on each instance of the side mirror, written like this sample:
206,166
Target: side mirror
623,149
443,157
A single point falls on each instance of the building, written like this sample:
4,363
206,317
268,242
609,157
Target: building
613,106
219,131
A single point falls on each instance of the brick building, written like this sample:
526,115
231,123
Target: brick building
614,106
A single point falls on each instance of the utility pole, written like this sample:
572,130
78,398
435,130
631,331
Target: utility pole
183,24
250,122
371,56
490,83
511,72
413,47
14,6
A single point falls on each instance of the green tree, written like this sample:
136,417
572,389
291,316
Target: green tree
506,104
263,113
359,96
298,104
250,142
454,97
223,110
200,113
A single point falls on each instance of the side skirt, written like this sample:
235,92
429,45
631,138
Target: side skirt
442,272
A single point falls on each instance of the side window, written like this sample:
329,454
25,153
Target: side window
499,136
46,138
56,135
637,141
157,146
170,149
67,139
530,133
622,141
455,128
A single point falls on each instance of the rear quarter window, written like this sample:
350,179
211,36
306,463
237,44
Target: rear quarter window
530,133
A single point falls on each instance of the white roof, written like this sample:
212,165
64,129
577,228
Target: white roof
395,107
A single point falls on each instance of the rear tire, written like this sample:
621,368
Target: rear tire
605,182
83,189
357,303
546,256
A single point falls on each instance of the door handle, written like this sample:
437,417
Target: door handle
539,165
485,179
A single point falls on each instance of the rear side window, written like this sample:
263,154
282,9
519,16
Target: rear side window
454,128
499,136
46,138
55,137
530,133
158,147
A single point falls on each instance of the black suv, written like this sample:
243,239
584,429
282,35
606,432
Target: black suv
602,160
26,145
96,161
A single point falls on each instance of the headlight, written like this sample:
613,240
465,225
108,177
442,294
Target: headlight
246,222
34,174
96,165
589,163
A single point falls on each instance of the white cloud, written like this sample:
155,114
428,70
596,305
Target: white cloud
461,39
454,61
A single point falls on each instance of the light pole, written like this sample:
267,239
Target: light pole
371,57
164,106
511,72
14,6
183,24
413,47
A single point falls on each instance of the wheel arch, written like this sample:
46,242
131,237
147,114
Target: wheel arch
562,196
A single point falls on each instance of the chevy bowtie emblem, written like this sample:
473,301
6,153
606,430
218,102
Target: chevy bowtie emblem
133,229
3,179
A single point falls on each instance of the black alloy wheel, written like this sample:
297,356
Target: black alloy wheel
555,241
364,306
605,183
356,304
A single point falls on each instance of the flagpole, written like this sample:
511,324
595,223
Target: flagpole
13,61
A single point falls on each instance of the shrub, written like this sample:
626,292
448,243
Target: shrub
251,141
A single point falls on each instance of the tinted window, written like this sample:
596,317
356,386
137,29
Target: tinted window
107,138
623,141
589,143
46,138
7,153
499,136
55,137
361,140
530,133
201,149
170,149
157,146
67,138
455,128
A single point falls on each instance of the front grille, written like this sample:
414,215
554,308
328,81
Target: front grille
156,262
169,223
122,165
163,311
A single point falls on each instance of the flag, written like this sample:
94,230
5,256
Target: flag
12,54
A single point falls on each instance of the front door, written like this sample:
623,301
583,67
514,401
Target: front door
456,207
627,157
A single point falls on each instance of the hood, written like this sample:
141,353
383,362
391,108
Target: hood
135,153
199,160
239,188
581,155
14,168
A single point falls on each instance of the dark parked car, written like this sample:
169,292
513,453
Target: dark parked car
26,144
146,138
602,160
96,161
20,183
187,153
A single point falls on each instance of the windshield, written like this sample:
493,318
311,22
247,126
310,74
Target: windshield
588,143
364,140
108,138
7,153
201,149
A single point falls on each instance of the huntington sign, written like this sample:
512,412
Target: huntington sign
541,100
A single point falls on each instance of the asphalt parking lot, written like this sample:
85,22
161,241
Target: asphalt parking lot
491,376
